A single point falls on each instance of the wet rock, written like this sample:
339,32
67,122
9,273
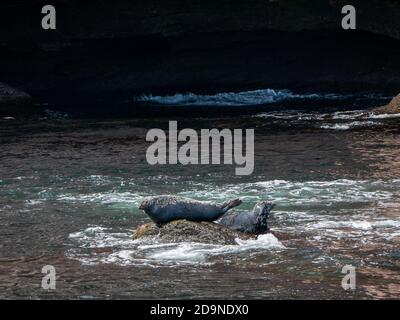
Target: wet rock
13,101
188,231
391,108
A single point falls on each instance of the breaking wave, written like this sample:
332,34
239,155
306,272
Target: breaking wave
244,98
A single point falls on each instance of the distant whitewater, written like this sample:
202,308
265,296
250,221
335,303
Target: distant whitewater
244,98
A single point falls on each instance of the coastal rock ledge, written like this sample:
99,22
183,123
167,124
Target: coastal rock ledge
188,231
392,108
13,101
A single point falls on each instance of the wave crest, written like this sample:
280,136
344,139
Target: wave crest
244,98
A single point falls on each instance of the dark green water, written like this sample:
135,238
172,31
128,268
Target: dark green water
70,188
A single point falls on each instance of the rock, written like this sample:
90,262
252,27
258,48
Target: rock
103,55
391,108
188,231
13,101
126,18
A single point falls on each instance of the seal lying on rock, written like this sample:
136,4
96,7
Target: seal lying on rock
163,209
254,222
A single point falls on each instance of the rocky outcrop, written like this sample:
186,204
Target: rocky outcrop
391,108
13,101
188,231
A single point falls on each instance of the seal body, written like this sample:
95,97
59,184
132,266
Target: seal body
254,222
163,209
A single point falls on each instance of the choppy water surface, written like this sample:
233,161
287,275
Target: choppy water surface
69,192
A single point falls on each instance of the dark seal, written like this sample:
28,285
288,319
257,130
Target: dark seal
254,222
163,209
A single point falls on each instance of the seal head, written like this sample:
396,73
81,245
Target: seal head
254,222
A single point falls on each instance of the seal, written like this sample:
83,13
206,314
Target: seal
163,209
254,222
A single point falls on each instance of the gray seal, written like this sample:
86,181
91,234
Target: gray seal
163,209
254,222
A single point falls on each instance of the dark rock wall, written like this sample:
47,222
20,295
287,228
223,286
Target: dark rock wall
98,19
107,49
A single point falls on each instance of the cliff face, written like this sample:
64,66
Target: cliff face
98,19
104,49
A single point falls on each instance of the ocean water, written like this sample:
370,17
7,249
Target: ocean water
70,189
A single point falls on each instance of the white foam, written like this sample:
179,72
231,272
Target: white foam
124,257
349,119
387,224
220,99
282,192
384,116
355,224
360,225
264,241
33,202
100,237
198,252
348,115
301,194
184,252
88,231
103,198
291,115
349,125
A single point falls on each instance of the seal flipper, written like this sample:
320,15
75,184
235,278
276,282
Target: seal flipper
230,204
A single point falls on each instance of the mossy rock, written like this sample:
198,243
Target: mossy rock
188,231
